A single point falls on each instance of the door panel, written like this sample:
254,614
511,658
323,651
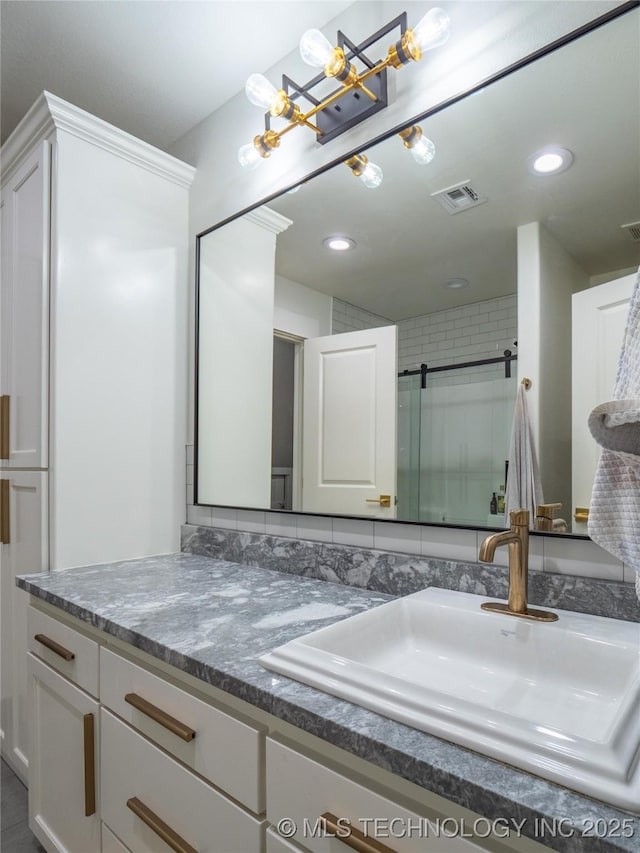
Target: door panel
349,423
25,310
598,324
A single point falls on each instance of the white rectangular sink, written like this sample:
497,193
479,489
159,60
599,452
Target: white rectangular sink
559,699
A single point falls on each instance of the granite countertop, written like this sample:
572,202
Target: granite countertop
213,618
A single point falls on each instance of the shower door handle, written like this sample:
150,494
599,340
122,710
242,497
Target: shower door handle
383,500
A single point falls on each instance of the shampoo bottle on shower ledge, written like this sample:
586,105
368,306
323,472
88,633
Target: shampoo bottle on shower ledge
493,506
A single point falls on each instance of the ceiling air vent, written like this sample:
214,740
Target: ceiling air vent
459,197
632,228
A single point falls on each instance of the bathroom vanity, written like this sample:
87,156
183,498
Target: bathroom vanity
164,692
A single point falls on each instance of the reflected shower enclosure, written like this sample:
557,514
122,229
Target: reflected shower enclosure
447,469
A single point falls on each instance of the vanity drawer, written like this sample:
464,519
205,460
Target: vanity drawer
226,750
301,788
66,650
142,785
111,844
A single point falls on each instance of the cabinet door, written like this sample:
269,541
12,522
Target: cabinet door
25,552
25,310
63,774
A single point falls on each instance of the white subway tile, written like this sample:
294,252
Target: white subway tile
391,536
580,557
189,449
251,521
448,543
281,524
189,475
190,495
199,515
223,517
317,528
353,531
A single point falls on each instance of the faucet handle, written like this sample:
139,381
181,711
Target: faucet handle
519,518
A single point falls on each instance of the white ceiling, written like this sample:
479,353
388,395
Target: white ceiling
154,68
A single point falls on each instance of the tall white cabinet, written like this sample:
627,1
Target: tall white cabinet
93,372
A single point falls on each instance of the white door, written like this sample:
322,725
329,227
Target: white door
349,423
63,776
23,551
25,310
599,317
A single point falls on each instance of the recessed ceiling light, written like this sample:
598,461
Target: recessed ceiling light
339,244
456,283
550,160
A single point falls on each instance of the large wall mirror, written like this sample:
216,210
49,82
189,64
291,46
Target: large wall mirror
312,395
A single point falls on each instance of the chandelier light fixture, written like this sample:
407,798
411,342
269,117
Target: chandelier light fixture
361,94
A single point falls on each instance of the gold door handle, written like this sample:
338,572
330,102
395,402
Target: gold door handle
89,766
156,824
5,449
581,513
351,837
5,521
54,647
159,716
383,500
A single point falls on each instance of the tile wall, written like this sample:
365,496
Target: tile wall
547,553
468,333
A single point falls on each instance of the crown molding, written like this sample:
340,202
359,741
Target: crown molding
52,113
268,219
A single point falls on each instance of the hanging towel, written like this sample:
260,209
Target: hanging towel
524,490
614,515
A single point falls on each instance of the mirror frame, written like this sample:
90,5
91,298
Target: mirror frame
527,60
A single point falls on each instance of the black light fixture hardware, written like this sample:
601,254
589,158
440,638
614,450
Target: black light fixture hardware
361,93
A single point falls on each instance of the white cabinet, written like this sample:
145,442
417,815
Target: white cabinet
323,804
93,349
24,352
63,779
177,767
23,525
148,796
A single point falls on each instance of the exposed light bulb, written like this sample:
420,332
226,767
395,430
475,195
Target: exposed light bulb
423,151
248,156
371,175
260,91
315,48
432,30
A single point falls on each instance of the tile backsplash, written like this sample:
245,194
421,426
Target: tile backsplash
401,573
551,554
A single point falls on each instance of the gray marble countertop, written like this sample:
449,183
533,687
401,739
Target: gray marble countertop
213,619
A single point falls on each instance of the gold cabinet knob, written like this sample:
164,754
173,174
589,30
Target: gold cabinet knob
581,513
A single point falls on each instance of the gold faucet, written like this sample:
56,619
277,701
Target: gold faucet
517,538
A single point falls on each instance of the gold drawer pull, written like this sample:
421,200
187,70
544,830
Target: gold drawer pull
5,448
56,648
5,522
383,500
157,825
159,716
89,766
351,837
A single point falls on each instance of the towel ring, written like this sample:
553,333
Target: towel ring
527,383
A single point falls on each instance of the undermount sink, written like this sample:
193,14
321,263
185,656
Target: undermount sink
560,699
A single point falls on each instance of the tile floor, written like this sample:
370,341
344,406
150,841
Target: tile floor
15,835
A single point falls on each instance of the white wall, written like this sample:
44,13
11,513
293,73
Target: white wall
235,399
299,310
547,278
